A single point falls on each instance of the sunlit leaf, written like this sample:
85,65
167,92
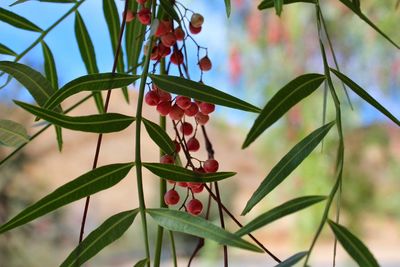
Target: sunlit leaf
364,95
99,123
109,231
292,260
85,185
287,164
88,54
270,3
17,21
180,174
12,134
291,94
356,249
6,51
180,221
276,213
91,82
201,92
159,136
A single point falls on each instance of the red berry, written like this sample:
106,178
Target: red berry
176,113
211,165
205,64
206,108
141,1
144,16
155,55
151,98
177,57
164,108
168,39
196,187
163,51
200,170
201,118
171,197
164,26
194,207
193,29
163,95
177,146
192,110
167,159
186,128
197,20
129,15
183,102
179,34
193,144
182,184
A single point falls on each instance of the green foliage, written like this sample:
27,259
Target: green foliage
12,133
292,260
17,21
159,136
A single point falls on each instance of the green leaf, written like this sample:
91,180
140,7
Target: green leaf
85,185
364,95
100,123
112,18
278,6
180,174
180,221
286,208
356,249
6,51
91,82
168,7
48,1
134,38
141,263
12,134
109,231
291,94
287,164
17,21
88,54
228,7
356,9
159,136
271,3
292,260
199,91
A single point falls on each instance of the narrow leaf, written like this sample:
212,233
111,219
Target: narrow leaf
6,51
88,55
228,7
270,3
109,231
199,91
278,6
356,249
168,7
292,260
159,136
276,213
364,95
180,174
287,164
85,185
12,134
180,221
91,82
141,263
17,21
48,1
291,94
100,123
49,66
134,38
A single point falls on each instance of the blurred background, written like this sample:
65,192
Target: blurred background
254,54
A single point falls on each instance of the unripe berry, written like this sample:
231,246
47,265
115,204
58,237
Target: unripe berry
193,29
144,16
192,110
183,102
151,98
205,64
193,144
201,118
164,108
129,15
176,113
177,146
177,57
206,108
167,159
179,34
211,165
168,39
197,20
194,207
171,197
186,128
